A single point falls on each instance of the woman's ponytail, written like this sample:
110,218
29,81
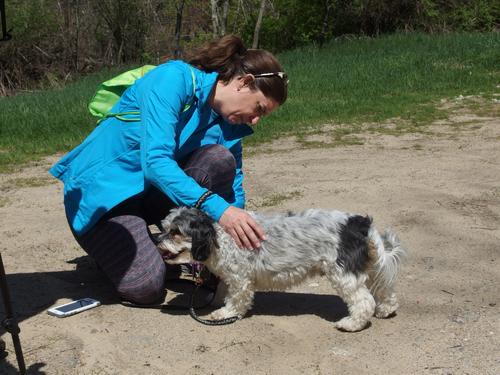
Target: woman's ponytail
222,56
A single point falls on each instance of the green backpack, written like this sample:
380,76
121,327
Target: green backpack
109,92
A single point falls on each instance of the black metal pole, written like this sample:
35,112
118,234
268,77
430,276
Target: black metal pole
10,323
4,22
5,33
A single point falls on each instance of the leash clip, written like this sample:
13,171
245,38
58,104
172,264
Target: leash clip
197,268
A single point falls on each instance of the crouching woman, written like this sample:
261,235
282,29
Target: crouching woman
183,150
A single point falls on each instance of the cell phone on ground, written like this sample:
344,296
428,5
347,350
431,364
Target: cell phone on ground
74,307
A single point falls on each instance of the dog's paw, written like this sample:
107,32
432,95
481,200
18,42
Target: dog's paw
350,325
385,310
221,313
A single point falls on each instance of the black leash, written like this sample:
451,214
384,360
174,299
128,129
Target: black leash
197,283
218,322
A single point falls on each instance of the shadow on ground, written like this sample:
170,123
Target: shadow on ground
325,306
31,293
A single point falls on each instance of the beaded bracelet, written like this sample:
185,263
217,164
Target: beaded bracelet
202,199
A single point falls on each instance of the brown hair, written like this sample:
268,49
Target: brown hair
229,57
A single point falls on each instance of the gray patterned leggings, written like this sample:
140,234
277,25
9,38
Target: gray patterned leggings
120,242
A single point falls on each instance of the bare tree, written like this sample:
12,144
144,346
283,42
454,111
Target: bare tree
112,18
258,24
220,10
126,22
77,35
324,28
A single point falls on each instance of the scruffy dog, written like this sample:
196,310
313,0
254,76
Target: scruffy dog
361,264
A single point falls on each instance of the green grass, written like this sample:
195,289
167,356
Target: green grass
277,199
4,201
372,80
41,123
347,81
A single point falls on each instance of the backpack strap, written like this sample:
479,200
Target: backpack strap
122,115
187,106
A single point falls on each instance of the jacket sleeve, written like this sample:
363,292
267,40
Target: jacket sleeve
161,96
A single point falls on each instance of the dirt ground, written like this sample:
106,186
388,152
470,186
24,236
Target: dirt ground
439,190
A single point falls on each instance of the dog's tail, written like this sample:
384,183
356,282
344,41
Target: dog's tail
388,259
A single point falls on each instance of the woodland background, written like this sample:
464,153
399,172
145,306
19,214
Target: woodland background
56,41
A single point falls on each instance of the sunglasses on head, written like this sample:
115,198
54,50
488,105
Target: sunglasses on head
282,75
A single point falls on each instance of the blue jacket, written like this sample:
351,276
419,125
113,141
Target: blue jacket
121,159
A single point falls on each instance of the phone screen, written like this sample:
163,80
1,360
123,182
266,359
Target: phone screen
75,305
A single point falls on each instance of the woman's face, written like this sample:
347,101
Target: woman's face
239,104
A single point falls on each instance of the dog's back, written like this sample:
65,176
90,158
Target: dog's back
311,239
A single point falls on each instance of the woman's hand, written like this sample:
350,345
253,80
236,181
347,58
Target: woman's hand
246,232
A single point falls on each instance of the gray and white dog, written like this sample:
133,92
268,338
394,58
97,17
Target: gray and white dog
361,264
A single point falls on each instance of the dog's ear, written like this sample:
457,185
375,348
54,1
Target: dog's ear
203,237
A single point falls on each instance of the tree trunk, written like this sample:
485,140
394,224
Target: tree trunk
225,11
258,24
324,28
215,18
77,35
178,27
220,10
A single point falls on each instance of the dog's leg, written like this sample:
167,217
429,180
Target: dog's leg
386,302
385,297
387,252
238,300
220,295
358,298
387,306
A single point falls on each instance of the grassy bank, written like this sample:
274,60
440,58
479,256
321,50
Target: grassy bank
372,80
45,122
347,81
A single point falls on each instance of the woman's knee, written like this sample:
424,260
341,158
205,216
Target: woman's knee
213,167
219,158
148,289
215,158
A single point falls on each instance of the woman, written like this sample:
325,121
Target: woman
185,150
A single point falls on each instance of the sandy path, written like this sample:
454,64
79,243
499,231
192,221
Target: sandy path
439,191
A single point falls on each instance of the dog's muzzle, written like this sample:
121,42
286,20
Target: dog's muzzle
165,251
